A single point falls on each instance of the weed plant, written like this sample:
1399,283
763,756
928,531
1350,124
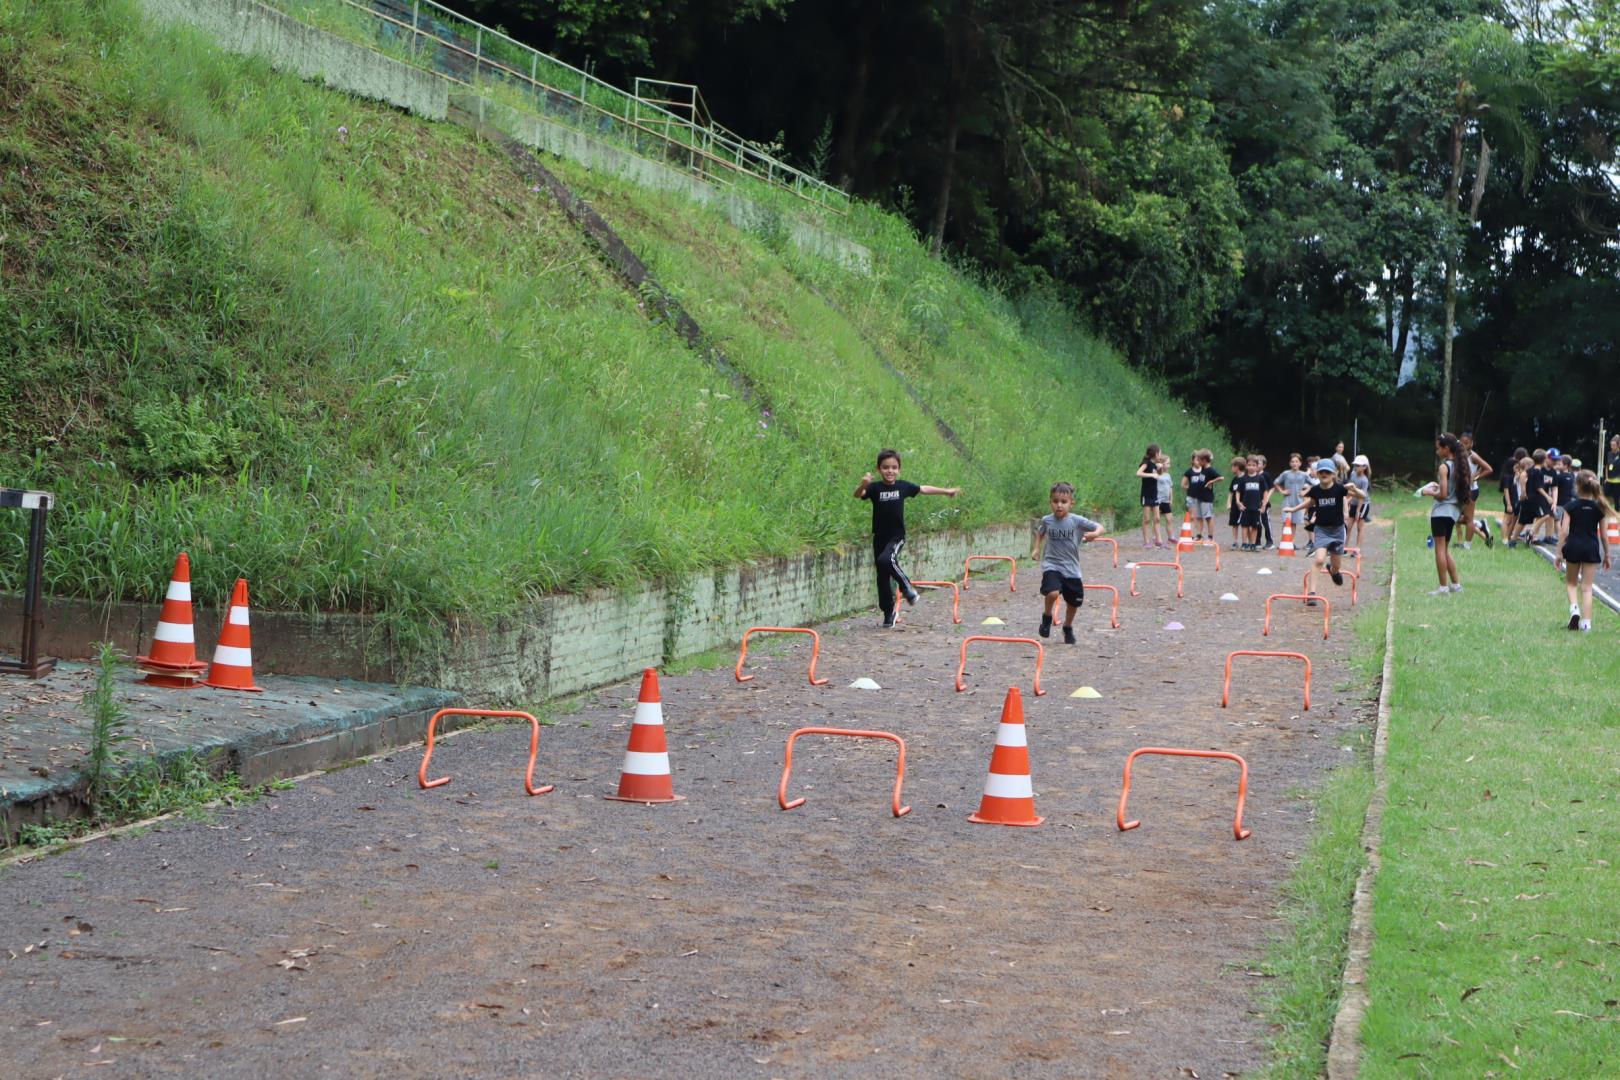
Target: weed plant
107,732
351,356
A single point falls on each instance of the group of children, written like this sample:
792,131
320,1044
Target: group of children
1249,489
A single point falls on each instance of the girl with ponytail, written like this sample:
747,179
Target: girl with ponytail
1582,545
1451,492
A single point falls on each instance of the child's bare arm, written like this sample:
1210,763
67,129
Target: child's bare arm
1092,534
948,492
860,492
1040,542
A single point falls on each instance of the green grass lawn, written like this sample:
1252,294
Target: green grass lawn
1497,909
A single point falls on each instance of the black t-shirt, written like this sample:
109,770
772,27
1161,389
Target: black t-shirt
1251,490
1585,519
1329,502
1197,485
1504,474
1533,483
1611,468
1211,474
1566,487
1150,484
1549,486
889,508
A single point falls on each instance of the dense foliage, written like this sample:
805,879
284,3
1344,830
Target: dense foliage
1274,202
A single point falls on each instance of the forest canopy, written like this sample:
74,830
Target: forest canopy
1294,211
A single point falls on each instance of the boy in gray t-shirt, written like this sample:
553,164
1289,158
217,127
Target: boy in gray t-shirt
1061,534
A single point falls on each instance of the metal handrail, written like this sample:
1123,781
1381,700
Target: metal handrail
709,144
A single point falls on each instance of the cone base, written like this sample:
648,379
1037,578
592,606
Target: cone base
977,820
227,686
172,682
160,667
649,802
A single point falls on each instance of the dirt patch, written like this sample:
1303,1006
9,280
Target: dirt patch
360,926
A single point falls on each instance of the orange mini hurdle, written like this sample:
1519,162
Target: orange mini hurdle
1355,553
1327,609
1355,584
1216,548
1175,565
1238,831
1040,656
1111,542
899,766
956,595
1226,686
1113,618
534,747
815,649
1012,569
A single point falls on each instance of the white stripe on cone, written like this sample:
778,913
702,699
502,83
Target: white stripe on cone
179,590
1011,735
239,616
178,633
232,656
650,713
1001,786
637,763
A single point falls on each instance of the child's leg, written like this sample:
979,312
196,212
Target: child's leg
1440,543
1069,610
1265,520
1588,577
1050,602
888,567
885,590
1572,583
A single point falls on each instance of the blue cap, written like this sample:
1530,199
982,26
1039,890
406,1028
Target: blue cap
1554,454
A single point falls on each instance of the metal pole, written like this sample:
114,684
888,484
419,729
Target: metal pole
1355,438
33,627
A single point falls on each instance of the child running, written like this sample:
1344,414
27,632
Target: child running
1147,470
1327,502
1361,478
1060,533
1480,468
1582,545
888,497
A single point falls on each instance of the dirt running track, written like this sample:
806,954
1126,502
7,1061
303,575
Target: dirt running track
357,926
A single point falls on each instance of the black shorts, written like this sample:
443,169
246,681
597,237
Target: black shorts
1527,512
1072,588
1164,508
1232,514
1150,501
1249,519
1441,527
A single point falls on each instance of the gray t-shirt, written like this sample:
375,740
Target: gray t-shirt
1062,551
1448,507
1164,487
1294,483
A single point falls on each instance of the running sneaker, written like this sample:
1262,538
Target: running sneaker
1574,617
1068,635
1490,541
1046,626
1586,626
1338,578
911,596
1444,590
890,618
1457,587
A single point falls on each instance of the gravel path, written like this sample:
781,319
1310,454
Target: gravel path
357,926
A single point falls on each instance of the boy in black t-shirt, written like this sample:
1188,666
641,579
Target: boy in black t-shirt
1253,491
888,497
1328,499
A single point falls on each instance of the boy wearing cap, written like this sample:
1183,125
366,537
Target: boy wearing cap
1328,499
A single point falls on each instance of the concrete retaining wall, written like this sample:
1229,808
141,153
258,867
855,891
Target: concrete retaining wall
560,646
251,29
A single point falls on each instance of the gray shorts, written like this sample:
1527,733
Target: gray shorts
1206,509
1330,540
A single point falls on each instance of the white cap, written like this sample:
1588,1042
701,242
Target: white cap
1361,459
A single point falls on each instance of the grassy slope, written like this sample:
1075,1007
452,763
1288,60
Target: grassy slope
1495,916
371,370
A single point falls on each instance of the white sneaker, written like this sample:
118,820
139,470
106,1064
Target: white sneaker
1586,626
1444,590
1468,545
1575,610
1457,587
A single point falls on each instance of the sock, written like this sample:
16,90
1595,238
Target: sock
1586,624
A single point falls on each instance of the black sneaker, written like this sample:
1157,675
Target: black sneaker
1068,635
1490,540
911,597
1338,578
1046,626
1575,621
889,619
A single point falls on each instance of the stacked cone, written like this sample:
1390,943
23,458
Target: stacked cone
1611,532
1185,542
173,660
646,777
1285,549
1009,794
232,668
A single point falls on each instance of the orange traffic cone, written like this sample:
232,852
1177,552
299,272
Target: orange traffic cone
1611,532
646,777
1185,541
232,668
173,660
1009,798
1285,549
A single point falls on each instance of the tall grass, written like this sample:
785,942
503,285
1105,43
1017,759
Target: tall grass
352,356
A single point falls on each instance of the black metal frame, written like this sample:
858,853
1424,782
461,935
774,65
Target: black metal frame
38,503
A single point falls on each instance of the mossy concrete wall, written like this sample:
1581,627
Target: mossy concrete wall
252,29
559,646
